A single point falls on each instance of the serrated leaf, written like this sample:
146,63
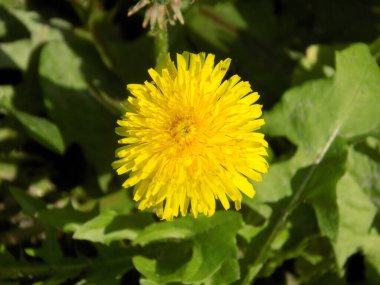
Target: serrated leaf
360,208
356,213
322,116
349,103
211,240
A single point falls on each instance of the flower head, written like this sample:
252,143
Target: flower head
158,11
190,138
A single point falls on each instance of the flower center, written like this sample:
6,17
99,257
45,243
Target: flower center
183,131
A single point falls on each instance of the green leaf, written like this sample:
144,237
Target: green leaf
50,250
364,165
318,185
228,273
110,226
15,54
211,241
357,76
13,4
361,200
323,116
164,262
371,249
42,130
66,219
80,116
11,29
119,201
40,30
356,213
7,94
29,204
109,267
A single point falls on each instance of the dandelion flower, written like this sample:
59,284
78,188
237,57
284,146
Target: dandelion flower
189,138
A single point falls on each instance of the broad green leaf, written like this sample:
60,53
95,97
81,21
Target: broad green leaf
228,273
32,32
346,115
211,241
364,165
322,114
357,75
164,262
41,130
119,202
360,210
15,54
371,250
318,185
79,115
356,213
110,226
40,32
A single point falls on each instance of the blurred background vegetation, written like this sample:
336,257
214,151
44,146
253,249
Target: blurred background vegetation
64,218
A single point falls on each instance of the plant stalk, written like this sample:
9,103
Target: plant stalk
161,46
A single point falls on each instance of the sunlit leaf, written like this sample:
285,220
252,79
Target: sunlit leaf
42,130
211,241
108,226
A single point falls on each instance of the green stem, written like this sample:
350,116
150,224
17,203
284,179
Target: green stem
161,46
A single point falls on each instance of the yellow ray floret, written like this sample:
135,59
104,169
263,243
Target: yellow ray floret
189,138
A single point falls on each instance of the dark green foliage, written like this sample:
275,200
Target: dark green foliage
64,218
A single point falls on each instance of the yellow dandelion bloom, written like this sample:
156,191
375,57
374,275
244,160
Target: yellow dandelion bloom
190,138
